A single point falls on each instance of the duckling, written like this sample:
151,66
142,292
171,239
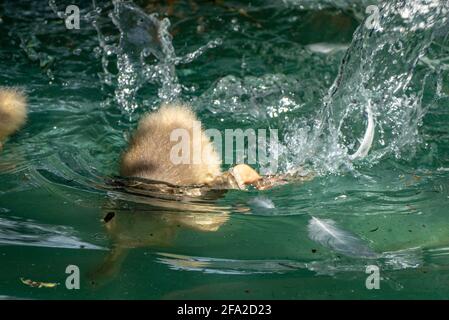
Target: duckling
150,154
13,112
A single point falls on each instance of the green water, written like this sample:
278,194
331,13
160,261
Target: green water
258,66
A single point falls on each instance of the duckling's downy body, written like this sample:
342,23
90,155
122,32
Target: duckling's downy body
150,150
13,112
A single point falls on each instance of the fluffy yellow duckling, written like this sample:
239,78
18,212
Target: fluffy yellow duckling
13,112
150,151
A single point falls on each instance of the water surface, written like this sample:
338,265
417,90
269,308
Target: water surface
306,68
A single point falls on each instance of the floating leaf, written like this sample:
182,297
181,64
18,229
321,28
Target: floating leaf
38,284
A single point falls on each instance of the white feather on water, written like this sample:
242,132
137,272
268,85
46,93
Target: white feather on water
326,233
262,202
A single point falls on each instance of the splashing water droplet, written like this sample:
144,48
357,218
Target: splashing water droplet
142,37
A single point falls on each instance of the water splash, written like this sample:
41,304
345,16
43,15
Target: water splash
381,68
144,55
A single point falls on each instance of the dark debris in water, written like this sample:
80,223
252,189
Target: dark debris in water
109,216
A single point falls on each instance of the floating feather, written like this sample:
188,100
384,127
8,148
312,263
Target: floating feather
326,233
262,202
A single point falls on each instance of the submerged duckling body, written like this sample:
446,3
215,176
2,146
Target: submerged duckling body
13,112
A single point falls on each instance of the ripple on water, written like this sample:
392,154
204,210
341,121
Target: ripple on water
20,232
